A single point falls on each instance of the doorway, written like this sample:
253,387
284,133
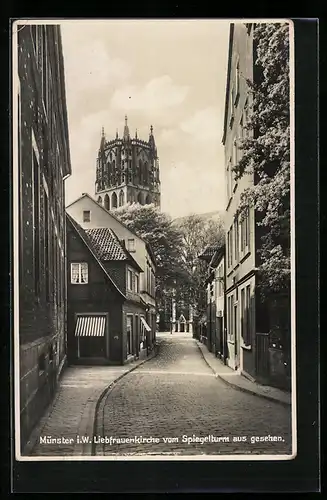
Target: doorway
237,343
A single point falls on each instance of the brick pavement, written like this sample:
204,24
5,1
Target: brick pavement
176,394
73,409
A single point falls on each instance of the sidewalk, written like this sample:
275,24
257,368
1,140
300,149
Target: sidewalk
72,412
241,383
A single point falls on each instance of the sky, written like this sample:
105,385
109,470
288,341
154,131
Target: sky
167,73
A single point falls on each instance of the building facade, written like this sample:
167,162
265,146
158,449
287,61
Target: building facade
43,165
127,171
91,215
106,314
213,323
249,320
240,235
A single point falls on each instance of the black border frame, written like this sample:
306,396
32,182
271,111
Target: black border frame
302,474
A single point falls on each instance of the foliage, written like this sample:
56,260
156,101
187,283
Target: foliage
198,233
266,155
165,239
176,247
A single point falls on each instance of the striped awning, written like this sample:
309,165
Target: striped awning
90,326
146,326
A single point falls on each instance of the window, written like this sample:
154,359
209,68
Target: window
236,240
245,232
36,217
237,83
41,363
86,216
130,280
137,283
228,183
231,104
234,163
131,245
245,118
79,273
230,246
129,334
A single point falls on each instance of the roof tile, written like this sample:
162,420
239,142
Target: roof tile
106,244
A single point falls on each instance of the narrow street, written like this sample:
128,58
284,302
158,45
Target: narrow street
174,400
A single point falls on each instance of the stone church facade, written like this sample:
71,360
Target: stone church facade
127,171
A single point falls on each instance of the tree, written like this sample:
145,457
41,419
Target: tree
165,239
198,233
266,155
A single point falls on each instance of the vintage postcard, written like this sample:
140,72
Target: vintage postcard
153,225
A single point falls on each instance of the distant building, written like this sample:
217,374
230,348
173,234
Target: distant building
127,171
213,335
248,319
106,314
91,215
43,166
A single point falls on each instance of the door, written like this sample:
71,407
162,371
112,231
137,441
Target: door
237,340
137,336
220,346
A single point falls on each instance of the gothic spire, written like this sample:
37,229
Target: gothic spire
136,134
103,139
151,138
126,129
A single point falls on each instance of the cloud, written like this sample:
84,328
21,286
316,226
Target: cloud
159,93
90,66
204,125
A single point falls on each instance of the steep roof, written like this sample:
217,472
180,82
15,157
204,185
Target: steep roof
88,243
148,246
108,247
86,195
208,252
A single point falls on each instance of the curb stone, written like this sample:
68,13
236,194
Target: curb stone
101,402
243,389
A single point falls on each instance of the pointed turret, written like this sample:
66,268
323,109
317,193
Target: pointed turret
151,139
136,134
116,133
103,139
126,130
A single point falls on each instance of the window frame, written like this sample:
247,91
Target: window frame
131,247
84,213
136,283
129,280
79,264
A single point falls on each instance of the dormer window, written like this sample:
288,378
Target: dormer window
131,245
86,216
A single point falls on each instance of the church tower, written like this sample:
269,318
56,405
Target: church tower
127,171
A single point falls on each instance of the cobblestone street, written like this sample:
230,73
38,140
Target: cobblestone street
175,399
